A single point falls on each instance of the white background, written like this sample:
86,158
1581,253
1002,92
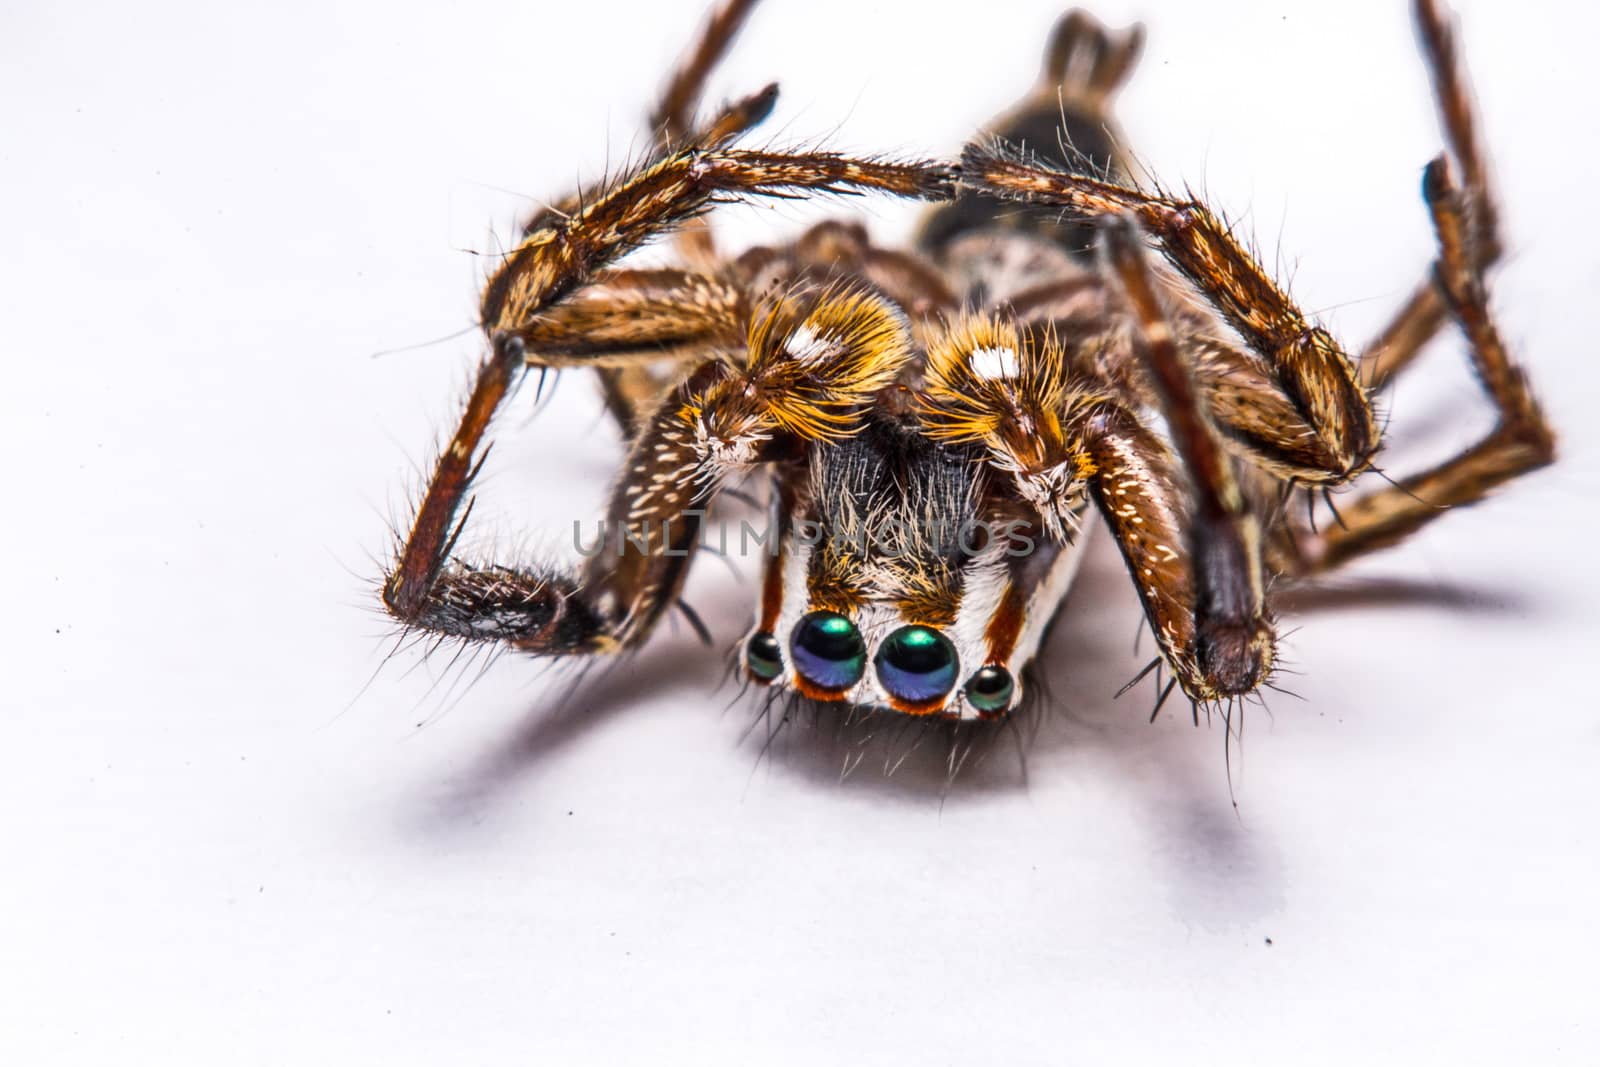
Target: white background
221,848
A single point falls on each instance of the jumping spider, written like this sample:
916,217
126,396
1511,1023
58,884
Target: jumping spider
1025,363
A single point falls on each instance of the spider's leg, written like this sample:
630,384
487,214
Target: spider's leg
556,259
1197,576
1233,635
1301,361
637,561
1428,308
718,422
1521,441
626,317
672,120
632,388
547,268
724,128
627,324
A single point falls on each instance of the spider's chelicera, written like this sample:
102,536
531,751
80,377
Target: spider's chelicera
1025,371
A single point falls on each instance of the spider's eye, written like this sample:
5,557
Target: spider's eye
917,664
990,689
828,650
763,656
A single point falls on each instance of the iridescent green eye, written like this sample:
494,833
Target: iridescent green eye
828,650
990,689
916,664
763,656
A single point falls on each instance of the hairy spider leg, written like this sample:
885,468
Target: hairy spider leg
549,611
1428,308
1233,640
632,387
1521,440
1303,362
626,324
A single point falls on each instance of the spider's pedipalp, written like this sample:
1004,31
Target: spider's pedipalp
816,360
991,384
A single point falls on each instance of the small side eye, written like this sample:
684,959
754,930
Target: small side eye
763,657
990,689
917,664
828,650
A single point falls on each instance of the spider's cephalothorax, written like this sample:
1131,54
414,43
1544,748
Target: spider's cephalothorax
941,426
908,576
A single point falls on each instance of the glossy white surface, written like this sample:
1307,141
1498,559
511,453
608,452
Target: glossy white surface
224,846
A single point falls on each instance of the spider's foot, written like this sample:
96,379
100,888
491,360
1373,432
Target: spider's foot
539,613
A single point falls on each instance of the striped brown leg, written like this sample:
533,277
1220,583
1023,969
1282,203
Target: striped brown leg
1231,648
672,122
630,325
1427,310
673,118
1521,441
548,612
633,389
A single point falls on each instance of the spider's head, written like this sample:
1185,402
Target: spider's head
903,580
910,667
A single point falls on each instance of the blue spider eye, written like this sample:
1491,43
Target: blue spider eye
828,650
990,689
917,664
763,656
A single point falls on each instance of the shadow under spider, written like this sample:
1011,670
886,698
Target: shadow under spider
1176,778
582,696
1344,594
1086,659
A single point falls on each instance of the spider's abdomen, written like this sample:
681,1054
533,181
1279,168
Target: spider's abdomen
1042,132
